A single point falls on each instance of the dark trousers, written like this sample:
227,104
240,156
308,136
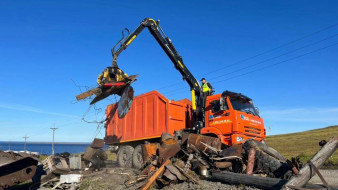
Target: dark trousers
204,97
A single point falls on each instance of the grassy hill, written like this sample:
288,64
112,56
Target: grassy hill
304,144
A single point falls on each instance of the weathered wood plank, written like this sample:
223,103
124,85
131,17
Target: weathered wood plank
88,93
307,172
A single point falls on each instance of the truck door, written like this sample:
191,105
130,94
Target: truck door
219,116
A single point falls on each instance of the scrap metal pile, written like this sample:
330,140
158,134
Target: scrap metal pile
65,171
61,171
185,157
189,157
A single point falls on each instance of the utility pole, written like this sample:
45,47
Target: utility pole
25,137
53,128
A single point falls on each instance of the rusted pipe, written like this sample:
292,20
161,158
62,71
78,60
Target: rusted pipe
223,165
293,168
251,161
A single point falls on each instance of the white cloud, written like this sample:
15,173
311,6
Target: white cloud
20,107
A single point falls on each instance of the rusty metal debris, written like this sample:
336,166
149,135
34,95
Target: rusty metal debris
108,89
149,150
194,156
251,161
124,104
156,174
204,143
168,148
176,160
94,156
66,171
97,143
15,169
223,165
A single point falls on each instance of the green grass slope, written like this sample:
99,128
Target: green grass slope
304,144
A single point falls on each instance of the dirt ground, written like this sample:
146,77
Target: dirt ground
117,179
206,185
111,178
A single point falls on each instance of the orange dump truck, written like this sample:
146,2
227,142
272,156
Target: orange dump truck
229,116
150,115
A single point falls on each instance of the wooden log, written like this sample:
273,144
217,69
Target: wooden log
307,172
249,180
156,174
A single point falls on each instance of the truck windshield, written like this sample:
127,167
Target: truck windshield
243,106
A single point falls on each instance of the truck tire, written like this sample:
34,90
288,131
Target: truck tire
266,163
124,156
138,157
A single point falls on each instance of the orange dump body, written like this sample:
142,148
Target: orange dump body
150,115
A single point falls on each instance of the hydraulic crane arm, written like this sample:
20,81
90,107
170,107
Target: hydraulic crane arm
169,49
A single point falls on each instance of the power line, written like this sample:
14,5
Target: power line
276,48
269,59
271,65
268,66
289,52
260,54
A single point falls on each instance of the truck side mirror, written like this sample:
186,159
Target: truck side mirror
223,105
257,110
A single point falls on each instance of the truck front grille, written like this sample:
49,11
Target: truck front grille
252,130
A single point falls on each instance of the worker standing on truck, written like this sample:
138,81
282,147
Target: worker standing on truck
206,89
111,74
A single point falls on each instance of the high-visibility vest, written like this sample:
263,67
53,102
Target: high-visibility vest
205,87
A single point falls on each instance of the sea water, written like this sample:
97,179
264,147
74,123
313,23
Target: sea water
44,148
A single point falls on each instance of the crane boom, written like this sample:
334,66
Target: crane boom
168,48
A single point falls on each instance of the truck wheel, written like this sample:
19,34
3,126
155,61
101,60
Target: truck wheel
266,163
124,156
138,157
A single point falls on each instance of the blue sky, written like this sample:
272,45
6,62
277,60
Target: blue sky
46,46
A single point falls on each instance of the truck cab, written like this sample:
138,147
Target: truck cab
233,118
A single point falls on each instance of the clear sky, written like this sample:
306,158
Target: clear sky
282,54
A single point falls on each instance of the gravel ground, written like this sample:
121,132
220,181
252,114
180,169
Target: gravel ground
330,176
206,185
113,179
116,178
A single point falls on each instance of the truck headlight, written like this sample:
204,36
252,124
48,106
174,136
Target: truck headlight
238,139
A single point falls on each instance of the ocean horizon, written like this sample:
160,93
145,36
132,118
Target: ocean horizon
45,147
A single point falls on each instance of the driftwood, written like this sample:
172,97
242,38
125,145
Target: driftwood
308,171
